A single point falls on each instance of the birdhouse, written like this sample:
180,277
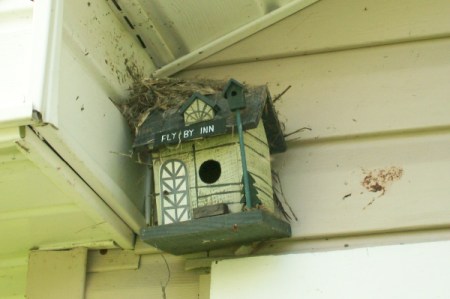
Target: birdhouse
197,168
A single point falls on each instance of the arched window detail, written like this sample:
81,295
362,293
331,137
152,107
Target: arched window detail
198,111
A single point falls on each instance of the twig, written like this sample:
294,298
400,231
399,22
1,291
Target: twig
163,287
297,131
280,206
370,203
281,94
276,179
129,155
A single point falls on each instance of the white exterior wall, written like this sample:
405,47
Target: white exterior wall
56,176
401,271
15,41
369,108
374,91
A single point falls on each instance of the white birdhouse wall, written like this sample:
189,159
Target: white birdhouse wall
208,171
258,164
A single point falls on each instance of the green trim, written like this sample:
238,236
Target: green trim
216,232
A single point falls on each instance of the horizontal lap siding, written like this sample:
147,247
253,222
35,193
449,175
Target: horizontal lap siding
158,276
335,25
363,112
369,109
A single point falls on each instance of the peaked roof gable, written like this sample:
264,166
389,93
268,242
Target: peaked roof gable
201,97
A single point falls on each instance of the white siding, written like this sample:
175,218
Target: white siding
15,52
402,271
369,80
374,93
154,279
368,109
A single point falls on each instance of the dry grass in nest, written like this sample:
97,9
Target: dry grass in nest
151,94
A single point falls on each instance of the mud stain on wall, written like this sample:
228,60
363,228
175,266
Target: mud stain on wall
378,180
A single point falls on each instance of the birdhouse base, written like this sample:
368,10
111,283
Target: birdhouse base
216,232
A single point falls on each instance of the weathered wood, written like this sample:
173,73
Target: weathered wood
57,274
208,211
111,260
193,131
225,150
216,232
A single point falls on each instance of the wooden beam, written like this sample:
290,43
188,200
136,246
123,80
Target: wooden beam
233,37
110,260
56,274
208,211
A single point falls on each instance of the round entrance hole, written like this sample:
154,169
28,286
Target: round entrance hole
210,171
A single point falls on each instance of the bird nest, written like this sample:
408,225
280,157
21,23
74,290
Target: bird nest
152,94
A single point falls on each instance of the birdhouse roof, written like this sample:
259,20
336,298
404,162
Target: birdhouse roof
230,83
170,122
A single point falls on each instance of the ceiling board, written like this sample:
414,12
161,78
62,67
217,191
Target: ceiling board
41,203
